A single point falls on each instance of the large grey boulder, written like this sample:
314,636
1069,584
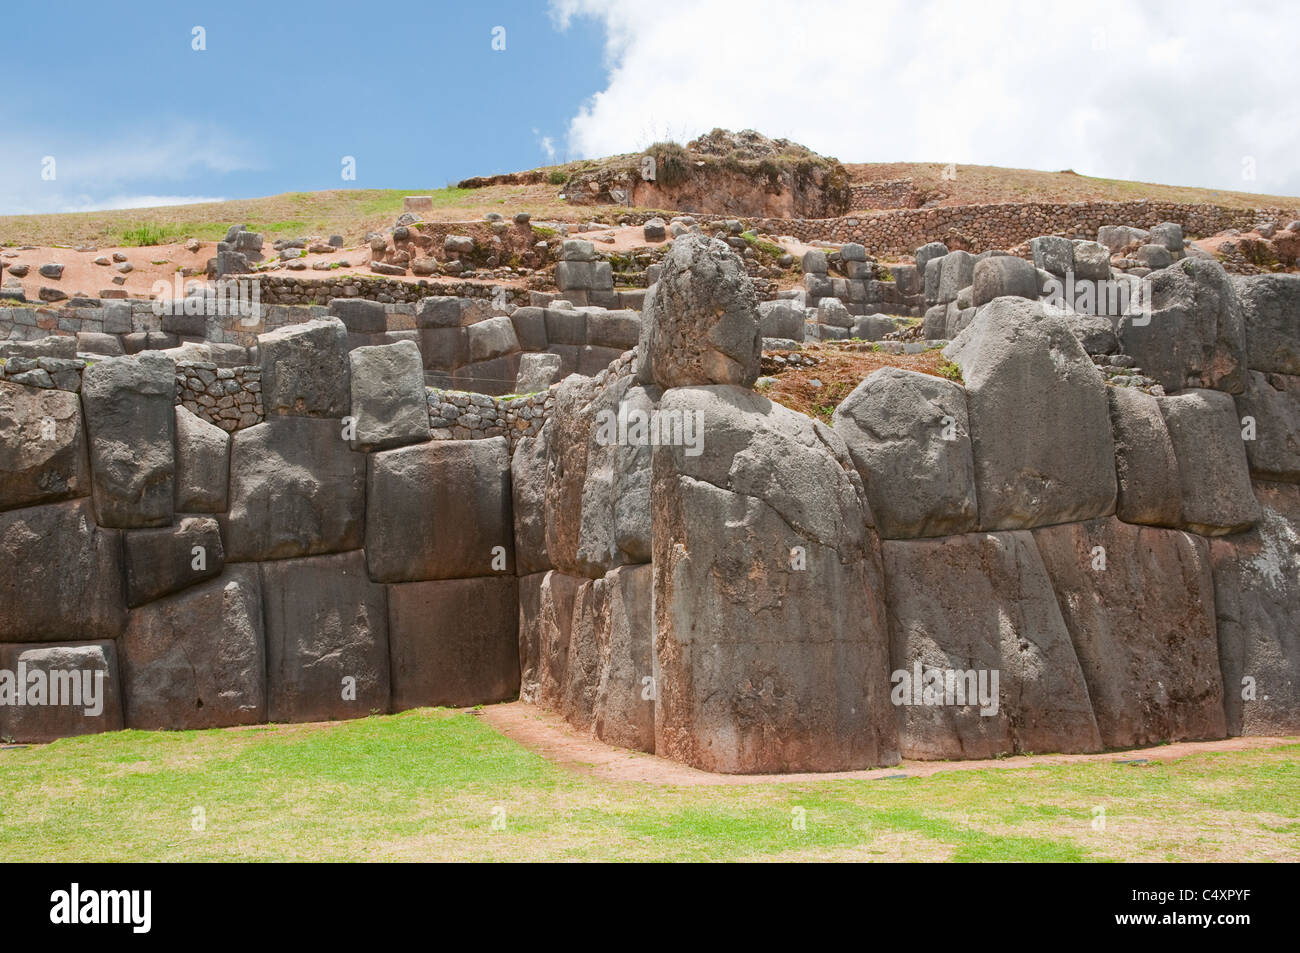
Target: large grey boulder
624,706
1257,600
198,659
492,338
42,446
60,575
1153,257
1168,235
326,639
1091,261
165,560
388,399
909,438
76,694
957,271
758,670
528,503
1118,237
1195,334
440,510
930,278
1270,309
202,464
1053,253
1145,465
360,315
975,605
781,319
305,369
1139,604
931,251
296,489
545,623
1004,276
537,372
700,321
530,625
1272,401
1213,474
131,427
1039,420
454,642
617,330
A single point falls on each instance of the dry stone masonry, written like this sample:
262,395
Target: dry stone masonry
1086,535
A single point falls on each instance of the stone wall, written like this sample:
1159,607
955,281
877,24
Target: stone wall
895,193
670,560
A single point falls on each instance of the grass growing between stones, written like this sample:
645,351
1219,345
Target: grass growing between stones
430,784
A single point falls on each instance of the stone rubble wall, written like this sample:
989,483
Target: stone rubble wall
895,193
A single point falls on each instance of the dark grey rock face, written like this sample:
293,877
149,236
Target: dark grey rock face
1139,604
982,603
440,511
197,659
42,446
454,642
700,323
1257,601
758,670
1145,465
77,692
909,438
326,639
1213,474
1039,419
296,489
305,369
202,465
166,560
60,575
131,424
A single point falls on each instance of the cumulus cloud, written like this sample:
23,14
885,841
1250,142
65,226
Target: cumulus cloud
1183,93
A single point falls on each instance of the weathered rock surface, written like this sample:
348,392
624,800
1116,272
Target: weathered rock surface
1004,276
305,369
1039,419
909,438
759,671
60,575
624,707
296,489
1139,604
982,603
528,503
197,659
1270,310
1145,465
131,427
1213,474
42,446
1195,335
326,639
1273,401
77,692
454,642
165,560
1257,600
202,465
700,322
440,511
388,398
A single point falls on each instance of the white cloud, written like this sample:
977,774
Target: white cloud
1169,92
546,144
122,172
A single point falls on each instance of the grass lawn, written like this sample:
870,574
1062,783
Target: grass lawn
438,784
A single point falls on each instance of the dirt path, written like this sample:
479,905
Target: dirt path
551,736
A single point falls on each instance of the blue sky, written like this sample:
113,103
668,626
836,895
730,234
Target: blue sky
1181,92
414,91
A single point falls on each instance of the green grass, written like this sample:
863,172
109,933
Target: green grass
428,784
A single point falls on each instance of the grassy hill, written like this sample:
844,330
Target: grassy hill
982,184
354,212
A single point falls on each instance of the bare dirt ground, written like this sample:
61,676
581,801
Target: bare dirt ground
551,736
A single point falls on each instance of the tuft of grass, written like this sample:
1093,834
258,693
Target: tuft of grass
951,371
